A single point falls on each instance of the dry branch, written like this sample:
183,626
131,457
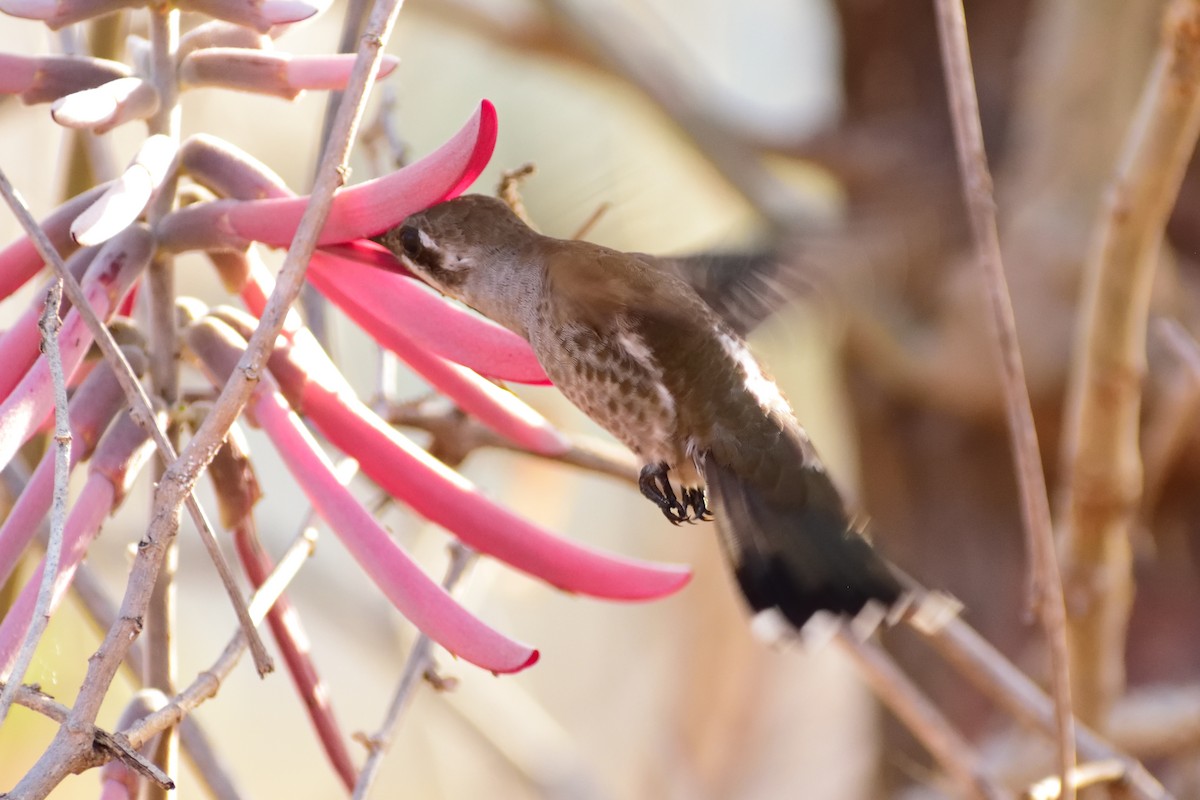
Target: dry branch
1046,585
49,325
1101,449
71,743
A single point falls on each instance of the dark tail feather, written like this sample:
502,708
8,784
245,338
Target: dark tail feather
799,554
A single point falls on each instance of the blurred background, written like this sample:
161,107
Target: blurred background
703,125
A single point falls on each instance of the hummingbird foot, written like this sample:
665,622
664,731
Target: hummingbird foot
656,486
693,498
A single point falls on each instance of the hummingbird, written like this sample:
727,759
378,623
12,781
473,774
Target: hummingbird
632,344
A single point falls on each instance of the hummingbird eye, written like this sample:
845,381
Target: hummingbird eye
410,240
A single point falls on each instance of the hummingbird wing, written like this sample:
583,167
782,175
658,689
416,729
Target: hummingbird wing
743,288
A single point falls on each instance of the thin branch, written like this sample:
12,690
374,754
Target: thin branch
1095,773
456,434
419,663
68,747
1171,421
919,715
49,324
208,683
141,407
1101,452
107,746
161,652
208,767
1045,582
980,663
312,302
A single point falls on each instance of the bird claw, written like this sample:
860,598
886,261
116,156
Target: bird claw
693,497
656,486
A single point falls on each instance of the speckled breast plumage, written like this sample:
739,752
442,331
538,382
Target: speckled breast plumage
612,378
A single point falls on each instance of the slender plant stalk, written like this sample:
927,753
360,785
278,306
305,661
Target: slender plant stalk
140,406
960,760
69,747
419,662
160,668
208,682
1102,448
49,324
1045,582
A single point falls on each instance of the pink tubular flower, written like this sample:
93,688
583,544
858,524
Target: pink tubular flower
20,260
119,457
362,210
105,107
261,15
60,13
495,407
441,495
398,311
279,74
124,201
426,604
114,268
218,33
94,404
39,79
21,343
227,170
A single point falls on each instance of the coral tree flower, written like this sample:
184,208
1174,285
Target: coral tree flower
426,604
426,330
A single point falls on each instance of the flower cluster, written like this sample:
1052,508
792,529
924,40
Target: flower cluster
110,239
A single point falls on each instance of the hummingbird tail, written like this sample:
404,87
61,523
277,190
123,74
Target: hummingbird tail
799,554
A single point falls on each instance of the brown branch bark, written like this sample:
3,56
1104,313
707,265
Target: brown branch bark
1101,450
1045,582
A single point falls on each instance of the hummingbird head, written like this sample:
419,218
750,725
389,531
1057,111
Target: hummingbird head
473,249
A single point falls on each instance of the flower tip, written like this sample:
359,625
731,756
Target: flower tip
283,12
532,659
387,65
656,581
29,9
485,144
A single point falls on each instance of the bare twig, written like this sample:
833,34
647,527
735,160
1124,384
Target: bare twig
49,324
1096,773
208,767
919,716
1172,422
586,227
106,745
208,682
141,408
419,662
457,434
980,662
509,190
1101,448
312,302
1045,583
68,747
238,491
160,665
